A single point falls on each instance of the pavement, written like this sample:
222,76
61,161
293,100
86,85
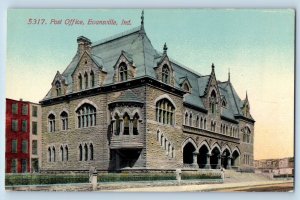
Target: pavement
203,188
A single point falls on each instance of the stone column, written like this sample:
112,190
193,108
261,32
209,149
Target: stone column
195,162
121,127
229,162
130,127
219,162
207,165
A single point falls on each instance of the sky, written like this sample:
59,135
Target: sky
256,45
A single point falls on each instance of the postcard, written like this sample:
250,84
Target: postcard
140,100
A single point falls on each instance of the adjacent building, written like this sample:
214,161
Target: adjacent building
121,104
23,136
276,167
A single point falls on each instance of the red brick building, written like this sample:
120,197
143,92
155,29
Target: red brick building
22,138
17,136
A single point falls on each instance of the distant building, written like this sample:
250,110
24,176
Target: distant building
23,136
283,166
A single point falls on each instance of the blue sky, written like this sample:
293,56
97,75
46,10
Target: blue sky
257,45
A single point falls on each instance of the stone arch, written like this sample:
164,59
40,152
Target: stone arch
187,141
205,143
51,112
64,110
215,145
236,155
87,102
188,152
126,110
165,96
116,111
137,111
226,147
202,158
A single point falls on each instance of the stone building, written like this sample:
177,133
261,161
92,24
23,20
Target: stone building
121,104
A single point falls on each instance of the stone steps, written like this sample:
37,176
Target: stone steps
234,176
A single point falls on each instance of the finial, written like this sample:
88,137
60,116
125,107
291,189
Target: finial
165,48
142,18
246,94
212,67
228,74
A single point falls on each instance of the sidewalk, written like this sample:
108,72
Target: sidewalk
193,188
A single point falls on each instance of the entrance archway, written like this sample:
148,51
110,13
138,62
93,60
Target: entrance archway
188,151
202,157
235,162
215,156
225,157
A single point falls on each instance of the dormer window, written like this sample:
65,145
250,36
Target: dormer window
223,103
58,88
165,74
186,87
123,73
92,79
213,101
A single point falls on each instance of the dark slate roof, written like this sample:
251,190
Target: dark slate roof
128,96
137,48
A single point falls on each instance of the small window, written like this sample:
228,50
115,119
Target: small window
34,147
14,125
186,87
91,152
34,128
24,109
24,146
64,120
80,82
34,111
123,73
86,81
80,152
24,126
92,79
14,165
58,88
14,146
126,124
14,108
51,123
223,103
24,165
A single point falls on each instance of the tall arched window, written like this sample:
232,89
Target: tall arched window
246,135
123,73
67,153
58,88
86,153
80,152
92,79
62,153
186,118
197,121
165,74
51,122
64,120
201,123
91,152
135,124
204,124
213,101
165,111
53,154
86,115
86,80
191,119
126,124
80,82
117,124
49,154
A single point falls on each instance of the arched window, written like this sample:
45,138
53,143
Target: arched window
186,87
53,154
117,124
186,118
204,125
197,121
80,82
223,103
191,119
62,153
58,88
51,123
64,120
49,154
86,80
165,111
213,101
86,115
135,124
67,153
246,135
86,153
201,123
91,152
165,74
80,152
126,124
92,79
123,73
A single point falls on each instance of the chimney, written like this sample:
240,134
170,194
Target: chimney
84,44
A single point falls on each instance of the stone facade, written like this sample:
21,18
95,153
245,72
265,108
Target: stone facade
121,105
